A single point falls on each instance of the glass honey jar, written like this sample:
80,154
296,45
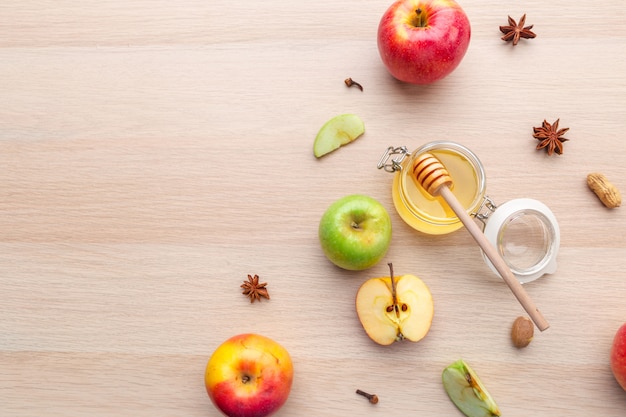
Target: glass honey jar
524,231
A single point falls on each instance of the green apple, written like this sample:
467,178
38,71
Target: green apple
337,132
467,392
355,232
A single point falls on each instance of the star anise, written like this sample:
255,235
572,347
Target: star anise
515,31
253,289
550,136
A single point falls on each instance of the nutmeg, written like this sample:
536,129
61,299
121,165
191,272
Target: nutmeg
522,332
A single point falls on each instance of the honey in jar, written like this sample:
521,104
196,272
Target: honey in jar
431,214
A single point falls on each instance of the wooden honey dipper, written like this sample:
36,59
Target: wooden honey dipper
430,173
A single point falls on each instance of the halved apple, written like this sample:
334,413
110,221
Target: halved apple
467,392
337,132
395,308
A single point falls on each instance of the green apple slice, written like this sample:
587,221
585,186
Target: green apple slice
467,391
337,132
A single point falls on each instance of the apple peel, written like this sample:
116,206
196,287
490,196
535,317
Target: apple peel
467,391
336,132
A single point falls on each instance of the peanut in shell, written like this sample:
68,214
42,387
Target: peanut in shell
608,193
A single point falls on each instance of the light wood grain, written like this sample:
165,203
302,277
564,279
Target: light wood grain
154,153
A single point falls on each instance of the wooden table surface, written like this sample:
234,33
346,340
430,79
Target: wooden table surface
153,153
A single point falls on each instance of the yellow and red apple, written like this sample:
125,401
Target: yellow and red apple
618,356
395,308
249,375
422,41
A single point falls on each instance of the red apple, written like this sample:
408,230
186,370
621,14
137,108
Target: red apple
618,356
249,376
422,41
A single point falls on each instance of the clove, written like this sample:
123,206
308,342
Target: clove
350,82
